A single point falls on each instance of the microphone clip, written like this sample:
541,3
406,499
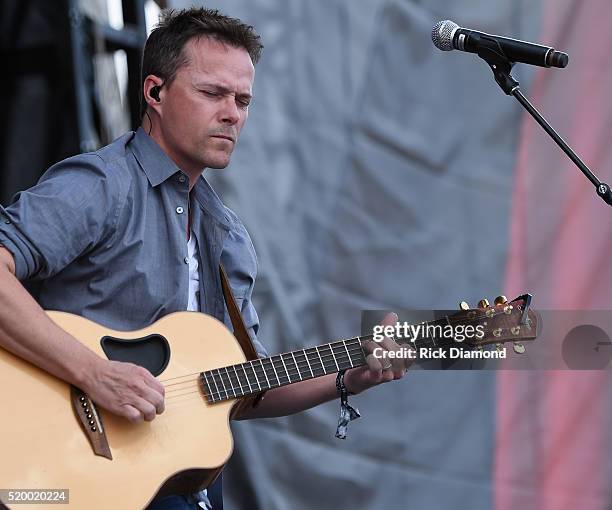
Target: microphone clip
491,52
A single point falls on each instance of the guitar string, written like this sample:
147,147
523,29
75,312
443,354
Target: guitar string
230,390
272,367
230,386
173,402
228,383
322,355
175,399
360,339
226,378
319,347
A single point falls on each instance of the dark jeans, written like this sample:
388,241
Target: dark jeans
176,502
173,503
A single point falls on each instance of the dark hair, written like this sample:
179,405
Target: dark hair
163,52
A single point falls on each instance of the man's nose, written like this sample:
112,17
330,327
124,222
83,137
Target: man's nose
229,112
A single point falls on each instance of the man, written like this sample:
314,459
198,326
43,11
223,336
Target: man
133,231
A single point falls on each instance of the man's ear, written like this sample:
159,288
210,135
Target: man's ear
151,89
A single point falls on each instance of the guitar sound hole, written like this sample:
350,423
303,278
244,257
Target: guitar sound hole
151,352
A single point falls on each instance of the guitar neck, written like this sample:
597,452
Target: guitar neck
267,373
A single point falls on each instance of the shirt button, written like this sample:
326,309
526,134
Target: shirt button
181,178
186,260
179,210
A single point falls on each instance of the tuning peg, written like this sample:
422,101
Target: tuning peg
499,347
519,348
483,303
500,300
464,306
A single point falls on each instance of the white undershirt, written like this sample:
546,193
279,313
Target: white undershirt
193,302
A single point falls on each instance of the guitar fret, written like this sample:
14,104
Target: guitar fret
275,372
262,384
348,354
308,362
221,379
316,353
331,349
255,374
247,378
237,379
210,387
264,371
278,358
296,366
312,370
345,364
230,381
286,371
241,380
360,354
321,359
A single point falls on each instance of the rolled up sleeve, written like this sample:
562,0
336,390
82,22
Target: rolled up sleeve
67,212
251,321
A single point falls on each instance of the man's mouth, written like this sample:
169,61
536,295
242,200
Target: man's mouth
225,137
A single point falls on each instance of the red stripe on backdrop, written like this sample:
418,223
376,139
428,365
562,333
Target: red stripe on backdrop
554,428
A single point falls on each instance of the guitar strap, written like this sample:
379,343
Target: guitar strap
242,335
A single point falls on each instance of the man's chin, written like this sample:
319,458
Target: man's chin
218,165
221,161
216,158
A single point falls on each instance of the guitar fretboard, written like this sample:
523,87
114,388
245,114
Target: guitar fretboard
266,373
287,368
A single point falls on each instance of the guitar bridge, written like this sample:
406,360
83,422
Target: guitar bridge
91,422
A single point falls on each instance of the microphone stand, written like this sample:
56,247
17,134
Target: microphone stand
501,67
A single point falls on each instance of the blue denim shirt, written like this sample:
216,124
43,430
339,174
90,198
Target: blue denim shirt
105,236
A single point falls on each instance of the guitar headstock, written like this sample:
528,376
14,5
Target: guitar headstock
502,322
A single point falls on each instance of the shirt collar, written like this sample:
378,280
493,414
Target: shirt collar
154,161
158,167
210,202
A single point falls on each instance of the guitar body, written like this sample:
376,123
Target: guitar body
44,446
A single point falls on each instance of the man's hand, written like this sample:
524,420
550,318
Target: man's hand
377,370
126,390
27,331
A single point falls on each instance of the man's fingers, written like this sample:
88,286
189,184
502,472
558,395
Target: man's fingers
389,320
152,391
151,381
374,364
146,409
131,413
154,398
399,364
156,385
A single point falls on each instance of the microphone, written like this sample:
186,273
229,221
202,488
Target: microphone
447,36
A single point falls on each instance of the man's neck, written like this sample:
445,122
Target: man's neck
192,172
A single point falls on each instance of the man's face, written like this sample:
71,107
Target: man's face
204,108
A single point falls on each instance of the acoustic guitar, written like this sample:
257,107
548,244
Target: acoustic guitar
54,437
